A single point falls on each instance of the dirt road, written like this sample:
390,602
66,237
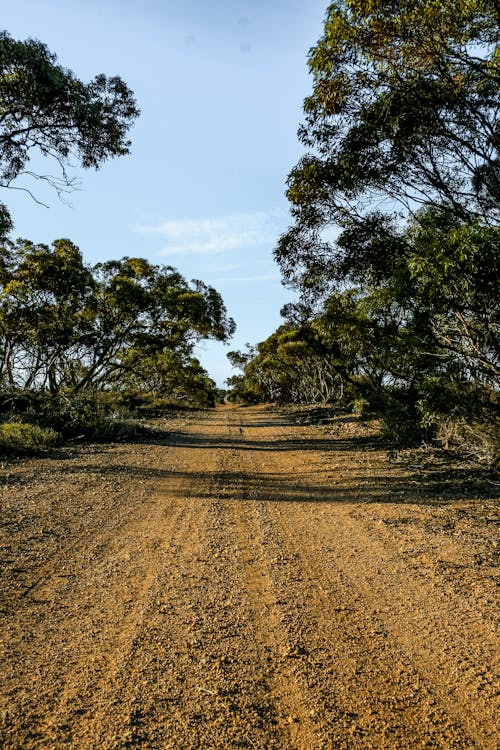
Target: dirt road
246,582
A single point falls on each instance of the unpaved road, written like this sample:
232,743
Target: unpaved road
246,582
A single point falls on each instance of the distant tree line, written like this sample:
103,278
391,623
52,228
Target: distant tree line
395,245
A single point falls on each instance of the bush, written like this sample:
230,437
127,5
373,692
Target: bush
399,425
397,409
17,438
477,442
88,415
361,407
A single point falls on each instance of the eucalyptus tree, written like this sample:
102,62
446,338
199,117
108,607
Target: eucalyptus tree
394,245
67,327
404,113
290,366
45,299
46,109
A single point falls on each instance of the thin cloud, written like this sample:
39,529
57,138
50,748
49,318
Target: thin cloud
212,236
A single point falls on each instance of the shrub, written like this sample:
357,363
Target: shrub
399,425
477,442
88,415
17,438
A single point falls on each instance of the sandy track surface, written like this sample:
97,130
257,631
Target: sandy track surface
246,582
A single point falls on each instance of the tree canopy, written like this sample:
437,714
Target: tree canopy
394,247
67,327
79,342
404,113
45,108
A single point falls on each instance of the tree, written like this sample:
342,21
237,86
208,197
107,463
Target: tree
402,130
288,367
44,301
45,108
171,375
404,112
64,326
454,276
6,225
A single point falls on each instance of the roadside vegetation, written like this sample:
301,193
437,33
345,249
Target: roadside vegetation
86,349
394,248
83,350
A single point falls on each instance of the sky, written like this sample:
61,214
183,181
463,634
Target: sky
220,86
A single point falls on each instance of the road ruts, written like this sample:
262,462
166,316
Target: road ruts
243,583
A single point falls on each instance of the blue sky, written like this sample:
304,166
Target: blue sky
220,86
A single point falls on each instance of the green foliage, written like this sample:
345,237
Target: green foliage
45,108
128,323
404,112
405,102
286,368
101,416
420,348
455,277
403,164
42,301
70,416
173,375
400,423
220,395
6,225
78,345
18,439
243,392
83,348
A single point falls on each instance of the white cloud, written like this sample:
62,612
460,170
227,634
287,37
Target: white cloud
211,236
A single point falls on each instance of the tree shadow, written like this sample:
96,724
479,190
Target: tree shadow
243,443
437,485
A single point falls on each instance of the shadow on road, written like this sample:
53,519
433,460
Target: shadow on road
360,485
437,485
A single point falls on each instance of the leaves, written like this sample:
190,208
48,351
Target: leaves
394,245
404,109
66,326
45,108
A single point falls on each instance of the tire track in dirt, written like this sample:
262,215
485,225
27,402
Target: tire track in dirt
379,691
217,606
447,638
68,640
410,650
440,634
148,651
83,628
337,644
50,527
51,569
288,694
95,689
286,697
226,664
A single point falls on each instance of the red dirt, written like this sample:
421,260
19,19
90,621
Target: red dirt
246,582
